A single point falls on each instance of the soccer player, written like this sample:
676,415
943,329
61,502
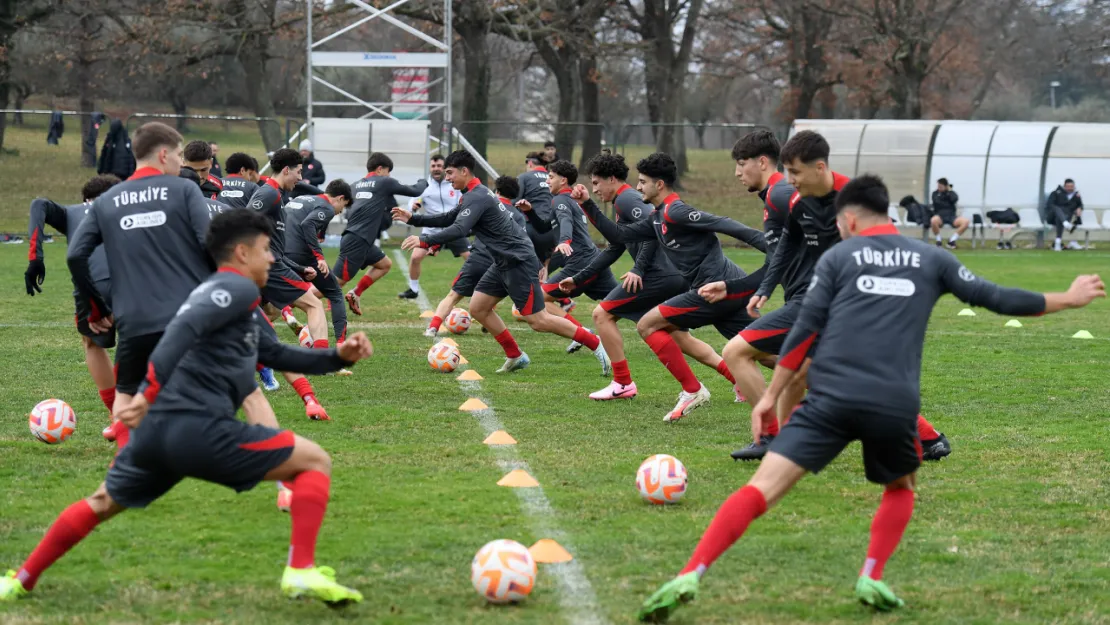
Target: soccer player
515,272
286,286
198,157
860,333
651,281
373,200
152,227
575,245
478,262
535,189
309,216
439,197
184,419
240,182
65,219
689,238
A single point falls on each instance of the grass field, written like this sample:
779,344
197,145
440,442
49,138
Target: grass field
1010,529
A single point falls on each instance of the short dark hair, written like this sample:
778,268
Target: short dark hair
507,187
254,164
607,166
151,136
565,169
806,146
285,157
196,151
461,158
379,159
536,158
1069,180
549,144
867,192
435,157
189,173
943,181
232,227
98,185
236,163
340,188
659,166
755,144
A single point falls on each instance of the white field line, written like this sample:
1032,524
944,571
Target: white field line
577,597
421,299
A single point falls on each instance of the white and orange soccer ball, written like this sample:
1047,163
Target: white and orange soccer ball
444,357
52,421
458,321
661,479
503,571
305,337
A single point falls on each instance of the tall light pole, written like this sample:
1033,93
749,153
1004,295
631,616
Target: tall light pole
1052,92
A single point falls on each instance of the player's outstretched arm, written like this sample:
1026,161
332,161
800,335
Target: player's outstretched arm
90,303
976,291
468,215
540,223
441,220
43,212
314,223
282,357
396,188
642,230
688,218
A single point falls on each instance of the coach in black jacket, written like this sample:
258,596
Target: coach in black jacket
313,170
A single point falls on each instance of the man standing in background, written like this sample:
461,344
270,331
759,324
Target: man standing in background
440,197
313,169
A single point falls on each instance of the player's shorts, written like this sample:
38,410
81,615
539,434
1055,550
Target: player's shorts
104,340
655,290
355,254
817,432
690,310
167,448
947,219
284,286
471,272
457,246
132,355
519,282
768,332
596,287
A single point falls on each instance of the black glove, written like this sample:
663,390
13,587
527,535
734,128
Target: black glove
34,276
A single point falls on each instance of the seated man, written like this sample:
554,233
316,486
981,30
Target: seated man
944,212
1064,209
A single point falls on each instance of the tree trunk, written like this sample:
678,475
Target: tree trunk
563,63
476,85
3,102
591,109
253,58
83,78
180,104
7,29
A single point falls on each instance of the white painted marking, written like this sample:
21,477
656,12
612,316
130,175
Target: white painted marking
421,299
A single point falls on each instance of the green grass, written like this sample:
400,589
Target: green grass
1011,528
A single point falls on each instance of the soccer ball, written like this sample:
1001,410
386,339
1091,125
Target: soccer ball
444,357
305,337
503,571
458,321
52,421
661,479
517,315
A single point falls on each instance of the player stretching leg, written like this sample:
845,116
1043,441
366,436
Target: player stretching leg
374,196
184,418
689,239
860,332
477,263
65,220
515,272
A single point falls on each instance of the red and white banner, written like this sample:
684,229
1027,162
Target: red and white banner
410,90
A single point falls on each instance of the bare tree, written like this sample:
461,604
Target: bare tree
15,15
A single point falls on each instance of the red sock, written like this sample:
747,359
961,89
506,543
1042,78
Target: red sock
887,528
621,374
122,433
363,284
108,396
288,310
925,430
569,317
436,323
722,368
587,338
729,524
259,367
307,512
564,301
771,426
72,525
670,354
508,343
320,344
304,389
